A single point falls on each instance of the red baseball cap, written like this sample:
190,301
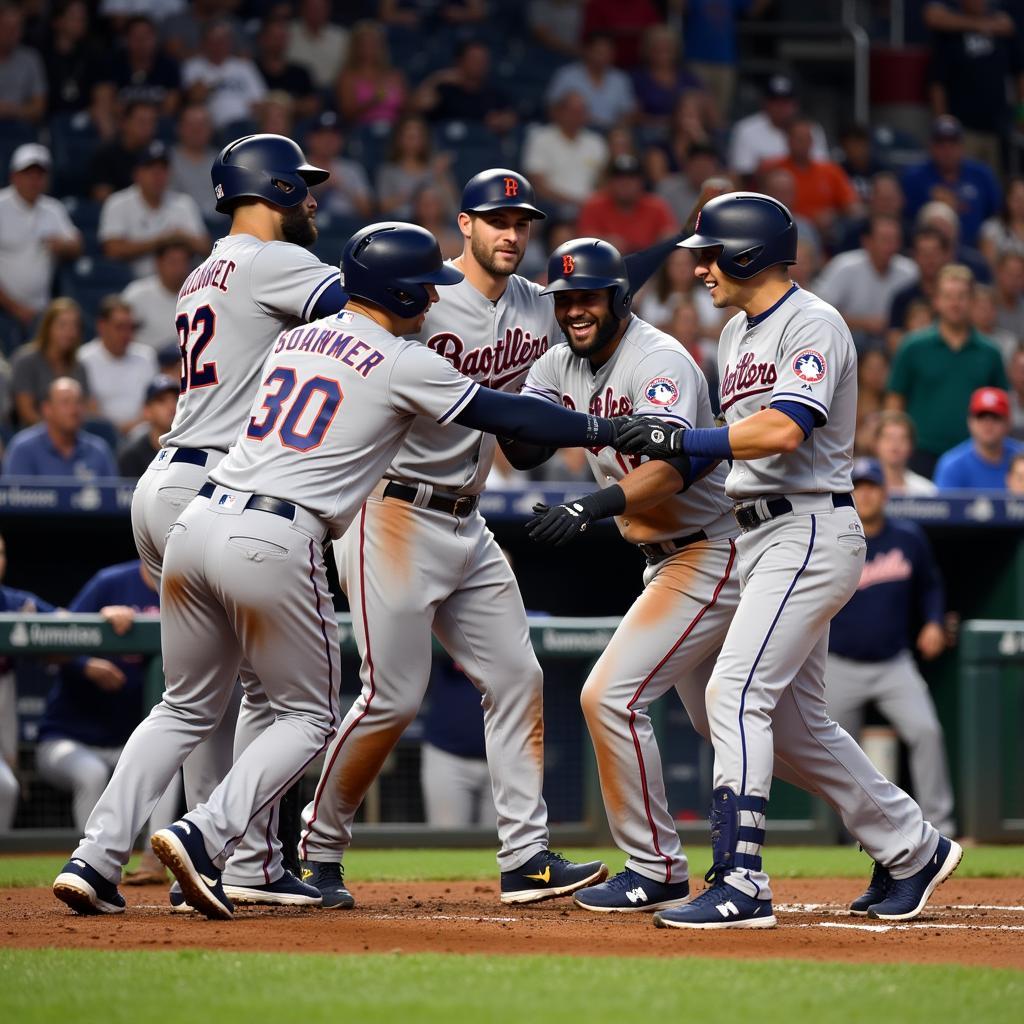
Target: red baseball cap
991,400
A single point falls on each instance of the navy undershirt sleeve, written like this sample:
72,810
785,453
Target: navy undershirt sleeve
799,413
334,298
533,420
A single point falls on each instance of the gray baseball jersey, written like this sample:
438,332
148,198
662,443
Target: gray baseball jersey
494,343
800,350
230,309
650,374
337,398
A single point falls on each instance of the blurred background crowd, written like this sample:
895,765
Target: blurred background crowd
911,219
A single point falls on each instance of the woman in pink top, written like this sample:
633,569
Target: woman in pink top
369,90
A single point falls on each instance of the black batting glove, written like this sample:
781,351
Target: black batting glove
557,525
650,436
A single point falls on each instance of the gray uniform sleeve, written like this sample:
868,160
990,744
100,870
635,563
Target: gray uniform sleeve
810,362
423,383
288,279
665,384
543,379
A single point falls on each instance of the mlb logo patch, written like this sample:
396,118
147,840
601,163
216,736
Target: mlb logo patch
219,191
809,366
227,501
662,391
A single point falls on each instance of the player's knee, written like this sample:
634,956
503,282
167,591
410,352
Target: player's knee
91,779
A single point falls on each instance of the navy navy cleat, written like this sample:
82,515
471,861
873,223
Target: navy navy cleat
176,898
877,890
287,891
630,893
181,848
719,906
328,878
86,891
907,897
547,875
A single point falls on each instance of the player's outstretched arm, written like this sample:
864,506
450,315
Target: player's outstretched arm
525,456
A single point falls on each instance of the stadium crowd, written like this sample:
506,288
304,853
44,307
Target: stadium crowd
113,111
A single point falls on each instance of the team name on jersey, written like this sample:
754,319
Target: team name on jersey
890,567
211,274
607,404
347,348
492,365
747,378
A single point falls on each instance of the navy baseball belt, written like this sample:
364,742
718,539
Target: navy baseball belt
259,502
193,456
454,504
753,514
662,549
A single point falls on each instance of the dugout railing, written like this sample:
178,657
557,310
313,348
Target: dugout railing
567,647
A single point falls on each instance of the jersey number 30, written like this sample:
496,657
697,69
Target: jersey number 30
302,429
192,340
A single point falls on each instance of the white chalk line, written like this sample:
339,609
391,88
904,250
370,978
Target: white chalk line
923,926
810,908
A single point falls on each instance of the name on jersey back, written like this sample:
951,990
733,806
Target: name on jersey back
346,348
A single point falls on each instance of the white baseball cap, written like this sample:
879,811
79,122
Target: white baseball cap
31,154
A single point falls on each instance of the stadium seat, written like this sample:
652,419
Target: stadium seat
85,214
89,279
73,139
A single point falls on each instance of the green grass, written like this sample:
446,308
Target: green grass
479,865
85,986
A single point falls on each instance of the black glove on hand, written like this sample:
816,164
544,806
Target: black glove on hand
560,524
650,436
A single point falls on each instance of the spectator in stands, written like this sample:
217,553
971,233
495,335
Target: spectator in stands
279,72
681,189
183,31
607,91
412,163
119,369
317,43
709,35
136,221
985,318
157,413
872,376
347,192
1015,372
970,73
142,71
762,136
58,446
51,354
870,655
930,253
690,128
885,199
858,159
823,193
626,22
967,185
1004,232
564,159
557,25
230,85
1009,294
72,59
861,284
431,209
97,702
417,16
779,183
661,79
276,114
670,286
983,460
941,216
35,232
22,75
26,603
1015,475
153,299
192,157
936,370
113,162
369,90
895,438
466,92
624,212
808,262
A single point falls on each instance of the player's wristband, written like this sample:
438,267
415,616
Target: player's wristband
709,442
609,501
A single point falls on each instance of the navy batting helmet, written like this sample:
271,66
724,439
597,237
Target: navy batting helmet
587,264
267,167
389,264
498,188
754,231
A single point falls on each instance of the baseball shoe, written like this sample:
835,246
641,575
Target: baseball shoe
286,891
906,897
630,893
719,906
180,847
176,898
547,875
328,878
876,891
86,891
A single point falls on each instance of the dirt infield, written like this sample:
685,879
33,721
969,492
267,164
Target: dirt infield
976,922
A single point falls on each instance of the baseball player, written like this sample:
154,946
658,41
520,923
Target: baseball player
420,560
869,656
258,280
244,574
787,368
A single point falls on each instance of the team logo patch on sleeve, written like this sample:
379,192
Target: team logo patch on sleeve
809,366
662,391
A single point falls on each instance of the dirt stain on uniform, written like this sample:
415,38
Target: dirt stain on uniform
394,528
592,701
174,590
252,627
362,758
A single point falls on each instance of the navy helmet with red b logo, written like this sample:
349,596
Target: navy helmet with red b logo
498,188
588,264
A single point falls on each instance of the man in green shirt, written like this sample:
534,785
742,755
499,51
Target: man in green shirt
936,370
